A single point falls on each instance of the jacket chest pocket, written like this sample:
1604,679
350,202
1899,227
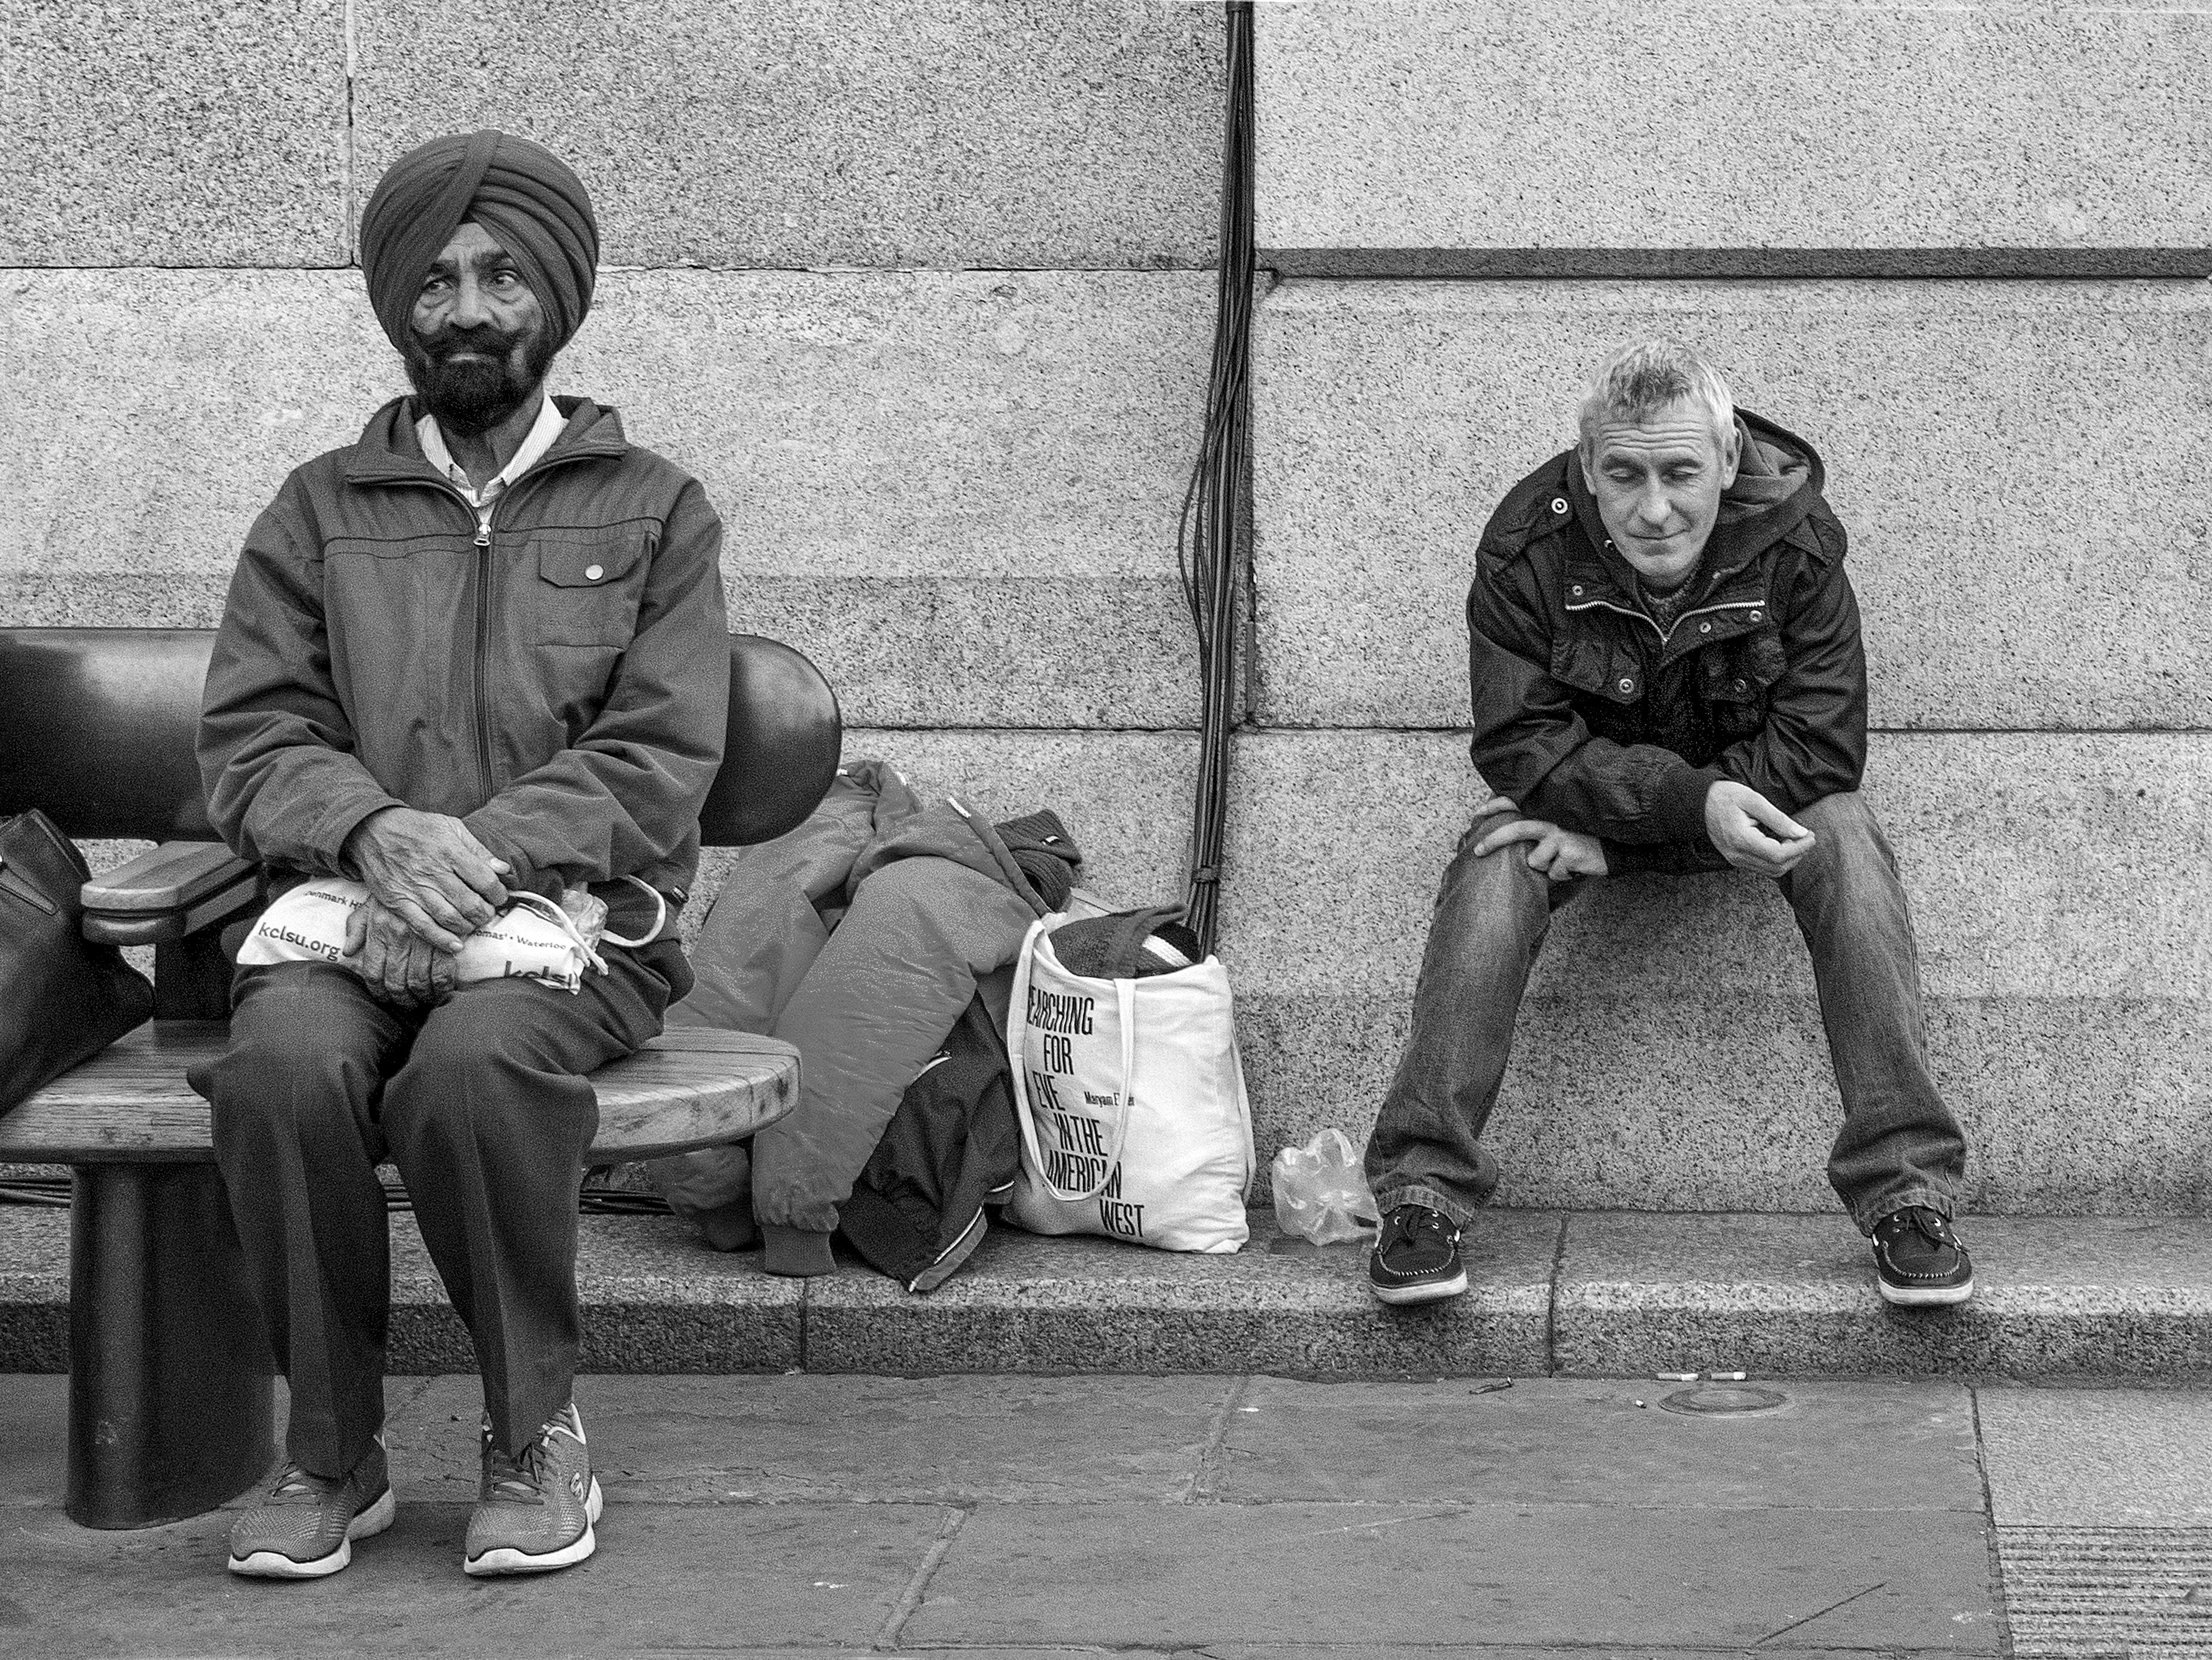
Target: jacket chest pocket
588,585
1735,678
1600,666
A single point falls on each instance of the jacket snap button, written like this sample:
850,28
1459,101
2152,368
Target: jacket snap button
1704,628
1578,588
1558,504
1755,616
1627,685
592,572
1736,686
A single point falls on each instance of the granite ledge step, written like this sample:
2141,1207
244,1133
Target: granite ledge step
1577,1293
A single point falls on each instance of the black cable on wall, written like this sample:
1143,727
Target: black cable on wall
1210,553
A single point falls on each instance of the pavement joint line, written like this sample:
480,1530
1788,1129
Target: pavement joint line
1206,1477
2000,1598
1820,1614
1552,1298
917,1588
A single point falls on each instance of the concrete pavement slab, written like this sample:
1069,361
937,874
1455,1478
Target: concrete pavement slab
727,1440
2102,1457
1404,1574
1887,1447
33,1452
1776,1295
656,1300
1028,1303
666,1576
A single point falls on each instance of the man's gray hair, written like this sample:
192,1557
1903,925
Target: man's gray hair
1636,382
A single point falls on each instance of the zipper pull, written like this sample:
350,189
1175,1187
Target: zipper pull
483,533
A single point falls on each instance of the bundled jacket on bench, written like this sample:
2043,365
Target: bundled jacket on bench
860,938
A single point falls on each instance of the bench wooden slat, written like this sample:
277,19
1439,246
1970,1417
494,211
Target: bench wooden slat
688,1087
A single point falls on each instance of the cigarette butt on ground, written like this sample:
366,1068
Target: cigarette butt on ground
1724,1376
1678,1377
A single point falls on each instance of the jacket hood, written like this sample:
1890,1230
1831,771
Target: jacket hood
1778,479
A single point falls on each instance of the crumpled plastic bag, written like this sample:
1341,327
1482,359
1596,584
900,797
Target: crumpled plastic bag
1320,1192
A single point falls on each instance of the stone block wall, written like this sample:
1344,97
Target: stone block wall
922,290
1960,250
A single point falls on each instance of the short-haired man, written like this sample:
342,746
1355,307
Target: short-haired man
1667,676
482,651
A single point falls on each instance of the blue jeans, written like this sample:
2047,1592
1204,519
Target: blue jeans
1899,1145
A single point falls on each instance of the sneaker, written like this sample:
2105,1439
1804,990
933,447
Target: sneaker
534,1510
1416,1260
1921,1261
304,1527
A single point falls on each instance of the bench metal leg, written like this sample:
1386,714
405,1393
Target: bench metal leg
171,1400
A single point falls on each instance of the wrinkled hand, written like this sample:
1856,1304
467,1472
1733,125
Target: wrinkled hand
1562,855
428,869
396,964
1752,832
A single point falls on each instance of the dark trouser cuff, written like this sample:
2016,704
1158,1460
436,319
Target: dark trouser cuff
796,1252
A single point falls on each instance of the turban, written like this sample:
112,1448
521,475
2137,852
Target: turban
526,196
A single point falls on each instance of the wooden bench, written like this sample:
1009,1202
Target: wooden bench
171,1400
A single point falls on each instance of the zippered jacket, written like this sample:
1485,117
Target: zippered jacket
558,680
1587,714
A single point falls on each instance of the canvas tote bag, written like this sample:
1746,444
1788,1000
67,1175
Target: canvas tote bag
1131,1103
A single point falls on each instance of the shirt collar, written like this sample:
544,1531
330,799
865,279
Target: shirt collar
547,428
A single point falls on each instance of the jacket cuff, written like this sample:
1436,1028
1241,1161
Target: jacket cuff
796,1252
1681,805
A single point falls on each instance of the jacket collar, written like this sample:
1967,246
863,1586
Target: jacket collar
388,452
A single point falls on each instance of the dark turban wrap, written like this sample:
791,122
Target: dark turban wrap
526,196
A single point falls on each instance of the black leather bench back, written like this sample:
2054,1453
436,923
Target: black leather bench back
97,728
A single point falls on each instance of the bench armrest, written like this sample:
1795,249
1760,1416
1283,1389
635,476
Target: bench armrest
179,888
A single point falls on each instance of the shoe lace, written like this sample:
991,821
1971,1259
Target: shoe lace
1426,1221
521,1477
293,1482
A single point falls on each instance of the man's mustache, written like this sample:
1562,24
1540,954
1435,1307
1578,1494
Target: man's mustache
495,343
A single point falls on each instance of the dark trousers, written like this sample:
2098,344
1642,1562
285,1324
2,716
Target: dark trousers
482,1104
1898,1144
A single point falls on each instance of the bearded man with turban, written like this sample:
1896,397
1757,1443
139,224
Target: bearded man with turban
481,652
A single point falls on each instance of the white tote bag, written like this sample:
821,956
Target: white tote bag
1131,1100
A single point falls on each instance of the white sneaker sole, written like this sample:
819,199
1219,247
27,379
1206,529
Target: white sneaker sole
1435,1292
508,1560
275,1565
1928,1296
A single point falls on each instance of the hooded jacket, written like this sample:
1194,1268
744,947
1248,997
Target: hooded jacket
559,682
1586,713
863,937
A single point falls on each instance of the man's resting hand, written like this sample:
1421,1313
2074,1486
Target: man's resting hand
429,871
1560,854
395,963
1752,832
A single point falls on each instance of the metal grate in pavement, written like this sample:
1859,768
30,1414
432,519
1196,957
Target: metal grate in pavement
2141,1593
